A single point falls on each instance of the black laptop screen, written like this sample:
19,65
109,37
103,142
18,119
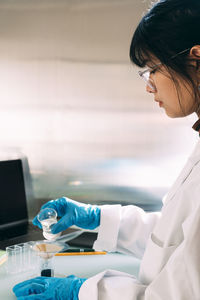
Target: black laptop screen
13,206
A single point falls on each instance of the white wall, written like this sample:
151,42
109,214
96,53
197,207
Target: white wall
70,99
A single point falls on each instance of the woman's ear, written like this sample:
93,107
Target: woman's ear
195,52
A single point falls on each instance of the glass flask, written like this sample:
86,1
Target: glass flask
47,217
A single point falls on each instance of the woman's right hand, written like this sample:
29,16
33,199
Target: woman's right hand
72,213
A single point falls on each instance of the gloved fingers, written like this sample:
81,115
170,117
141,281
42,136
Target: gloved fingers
29,289
59,205
37,280
62,224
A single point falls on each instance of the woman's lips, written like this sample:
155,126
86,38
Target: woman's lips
159,102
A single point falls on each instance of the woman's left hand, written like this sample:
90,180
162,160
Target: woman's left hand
50,288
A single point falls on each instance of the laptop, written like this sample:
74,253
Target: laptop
15,227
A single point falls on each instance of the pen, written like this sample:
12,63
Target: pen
80,252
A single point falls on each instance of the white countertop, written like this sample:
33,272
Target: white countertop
82,266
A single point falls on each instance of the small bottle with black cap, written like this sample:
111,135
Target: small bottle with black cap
46,267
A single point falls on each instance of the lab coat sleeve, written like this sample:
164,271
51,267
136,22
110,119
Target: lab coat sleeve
178,280
125,229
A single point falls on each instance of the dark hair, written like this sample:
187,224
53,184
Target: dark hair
168,28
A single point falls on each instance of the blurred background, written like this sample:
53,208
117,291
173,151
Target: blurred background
73,104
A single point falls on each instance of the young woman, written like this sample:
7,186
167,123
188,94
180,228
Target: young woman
167,43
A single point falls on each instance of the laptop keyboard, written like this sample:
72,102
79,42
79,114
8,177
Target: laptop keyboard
18,231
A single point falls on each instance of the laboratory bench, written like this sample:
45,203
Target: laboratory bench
83,266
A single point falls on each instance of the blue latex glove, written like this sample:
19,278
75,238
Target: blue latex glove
49,288
72,213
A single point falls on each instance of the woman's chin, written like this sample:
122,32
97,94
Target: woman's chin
173,115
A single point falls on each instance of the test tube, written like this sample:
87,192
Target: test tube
13,264
33,257
25,256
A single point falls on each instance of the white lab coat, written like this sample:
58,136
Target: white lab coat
168,243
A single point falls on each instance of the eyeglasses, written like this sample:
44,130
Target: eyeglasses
145,75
